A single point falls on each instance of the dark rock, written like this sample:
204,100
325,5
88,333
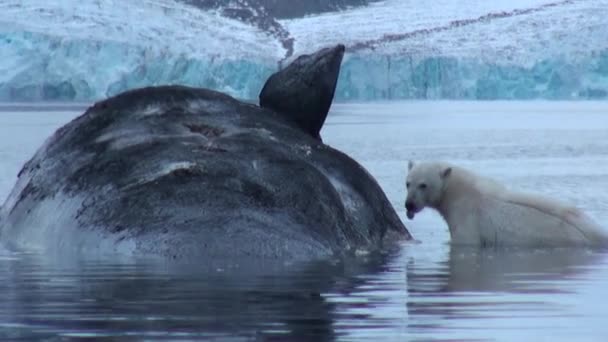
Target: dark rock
281,9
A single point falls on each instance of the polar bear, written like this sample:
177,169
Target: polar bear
479,211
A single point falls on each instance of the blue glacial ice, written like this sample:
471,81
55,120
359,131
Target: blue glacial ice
37,67
389,77
41,67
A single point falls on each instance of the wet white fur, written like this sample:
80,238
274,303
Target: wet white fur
480,211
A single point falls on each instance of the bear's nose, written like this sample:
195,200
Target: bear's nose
409,205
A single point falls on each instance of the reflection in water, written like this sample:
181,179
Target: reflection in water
401,295
254,301
500,270
474,286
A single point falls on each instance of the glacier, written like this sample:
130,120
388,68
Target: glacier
41,67
386,77
515,49
73,50
396,49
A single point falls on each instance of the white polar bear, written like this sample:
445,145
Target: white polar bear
481,212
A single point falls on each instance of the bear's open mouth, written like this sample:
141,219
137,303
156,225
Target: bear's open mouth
411,209
410,214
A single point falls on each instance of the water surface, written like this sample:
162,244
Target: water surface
421,291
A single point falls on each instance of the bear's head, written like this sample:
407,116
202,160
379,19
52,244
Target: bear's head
425,184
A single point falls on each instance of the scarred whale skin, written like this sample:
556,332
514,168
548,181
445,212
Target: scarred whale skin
187,173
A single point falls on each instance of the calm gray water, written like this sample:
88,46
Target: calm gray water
422,291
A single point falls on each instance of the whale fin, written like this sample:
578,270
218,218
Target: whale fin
304,90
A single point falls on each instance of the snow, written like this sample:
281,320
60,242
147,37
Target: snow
492,29
71,50
164,25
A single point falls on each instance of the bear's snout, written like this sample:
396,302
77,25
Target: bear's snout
411,209
410,206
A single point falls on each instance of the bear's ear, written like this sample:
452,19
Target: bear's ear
446,173
410,165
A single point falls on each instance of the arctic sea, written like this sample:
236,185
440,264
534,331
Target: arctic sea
425,290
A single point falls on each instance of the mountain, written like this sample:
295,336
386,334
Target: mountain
396,49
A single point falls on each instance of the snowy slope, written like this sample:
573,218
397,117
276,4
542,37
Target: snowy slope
90,49
160,23
497,28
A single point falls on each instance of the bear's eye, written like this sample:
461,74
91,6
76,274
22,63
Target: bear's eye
422,186
407,185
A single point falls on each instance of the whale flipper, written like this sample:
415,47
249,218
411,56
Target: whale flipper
304,90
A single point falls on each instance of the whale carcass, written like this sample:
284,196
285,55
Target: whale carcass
188,173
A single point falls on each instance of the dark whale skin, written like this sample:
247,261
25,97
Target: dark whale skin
304,90
194,174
